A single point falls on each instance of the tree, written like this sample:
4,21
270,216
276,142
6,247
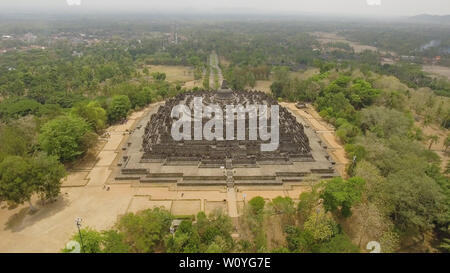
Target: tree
346,132
298,240
92,241
145,231
384,122
415,201
185,240
114,242
159,76
277,89
389,242
281,73
285,207
307,202
21,178
320,226
47,172
433,140
257,205
18,107
340,194
108,241
16,184
118,108
369,222
13,141
216,228
362,94
66,137
340,243
335,105
214,248
93,113
373,180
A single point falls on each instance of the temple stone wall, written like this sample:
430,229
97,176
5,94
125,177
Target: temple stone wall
151,156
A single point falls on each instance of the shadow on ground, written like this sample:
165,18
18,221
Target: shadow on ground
25,217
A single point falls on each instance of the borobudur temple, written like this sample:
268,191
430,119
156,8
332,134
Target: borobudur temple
152,155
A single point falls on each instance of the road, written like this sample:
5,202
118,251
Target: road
216,72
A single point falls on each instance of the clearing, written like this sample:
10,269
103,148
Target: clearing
437,70
331,37
174,73
264,85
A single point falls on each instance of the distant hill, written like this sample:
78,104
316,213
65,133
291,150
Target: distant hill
427,18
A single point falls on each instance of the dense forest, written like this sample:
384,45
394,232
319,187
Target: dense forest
62,85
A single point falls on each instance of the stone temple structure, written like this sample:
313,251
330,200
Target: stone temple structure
151,155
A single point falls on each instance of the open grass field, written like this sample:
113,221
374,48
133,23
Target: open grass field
330,37
174,73
301,75
192,84
437,70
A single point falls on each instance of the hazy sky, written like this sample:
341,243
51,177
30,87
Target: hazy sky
342,7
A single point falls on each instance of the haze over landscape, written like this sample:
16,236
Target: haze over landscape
335,7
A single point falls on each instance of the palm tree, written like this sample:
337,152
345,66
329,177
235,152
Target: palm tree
433,139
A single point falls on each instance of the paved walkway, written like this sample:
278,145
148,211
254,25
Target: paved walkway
232,206
326,132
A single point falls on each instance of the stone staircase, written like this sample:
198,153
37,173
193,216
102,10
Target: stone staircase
229,172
